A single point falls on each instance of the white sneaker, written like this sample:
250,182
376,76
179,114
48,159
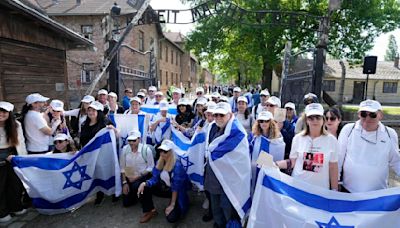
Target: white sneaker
206,204
5,219
21,212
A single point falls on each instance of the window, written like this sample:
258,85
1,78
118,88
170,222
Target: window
172,56
329,85
87,31
141,41
172,78
176,59
160,51
87,73
177,81
166,54
161,77
389,87
141,67
166,78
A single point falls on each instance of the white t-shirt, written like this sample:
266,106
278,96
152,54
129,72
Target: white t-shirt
150,101
36,141
133,164
246,123
258,108
313,157
367,156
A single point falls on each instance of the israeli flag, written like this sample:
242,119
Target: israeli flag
191,154
154,109
59,183
126,123
282,201
229,158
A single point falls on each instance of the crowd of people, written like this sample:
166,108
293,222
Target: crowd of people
314,146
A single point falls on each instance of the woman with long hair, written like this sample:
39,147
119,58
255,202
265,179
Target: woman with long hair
333,121
314,154
243,114
185,115
267,138
12,142
169,180
63,144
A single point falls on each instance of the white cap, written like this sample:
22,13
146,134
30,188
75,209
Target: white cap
141,94
370,106
265,115
223,108
6,106
183,101
242,98
314,109
265,93
152,88
133,135
159,93
216,94
88,99
167,145
97,106
223,98
309,95
237,89
137,99
61,137
163,105
112,94
290,105
102,91
57,105
35,97
202,101
211,106
177,90
200,89
274,101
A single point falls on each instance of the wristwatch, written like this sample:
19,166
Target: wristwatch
125,182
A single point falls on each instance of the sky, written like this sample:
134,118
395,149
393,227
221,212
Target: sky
379,49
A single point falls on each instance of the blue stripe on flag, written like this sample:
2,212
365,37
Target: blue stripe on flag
230,143
199,138
154,110
141,119
197,178
384,203
247,205
112,119
56,163
72,200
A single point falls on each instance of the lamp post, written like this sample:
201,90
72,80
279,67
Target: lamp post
113,79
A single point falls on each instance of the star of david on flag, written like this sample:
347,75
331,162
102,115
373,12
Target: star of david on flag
76,169
333,223
186,163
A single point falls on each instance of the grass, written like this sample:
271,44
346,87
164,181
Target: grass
386,110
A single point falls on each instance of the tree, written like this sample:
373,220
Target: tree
392,51
228,45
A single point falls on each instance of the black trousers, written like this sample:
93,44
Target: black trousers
131,198
158,190
10,191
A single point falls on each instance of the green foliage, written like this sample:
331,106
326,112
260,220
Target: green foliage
231,47
393,50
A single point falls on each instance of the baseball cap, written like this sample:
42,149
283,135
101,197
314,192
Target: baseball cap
159,93
314,109
183,101
87,99
61,137
152,88
222,108
35,97
163,105
265,115
112,94
216,94
102,91
177,90
200,89
167,145
290,105
133,135
274,101
265,93
6,106
137,99
242,98
57,105
97,106
211,106
141,94
237,89
202,101
370,106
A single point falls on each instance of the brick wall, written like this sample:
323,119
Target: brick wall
169,70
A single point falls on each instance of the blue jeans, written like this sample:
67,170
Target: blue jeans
222,209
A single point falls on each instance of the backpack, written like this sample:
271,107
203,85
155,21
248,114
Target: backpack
143,152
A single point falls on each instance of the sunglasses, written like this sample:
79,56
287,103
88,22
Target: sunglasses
263,95
372,115
164,151
58,141
141,97
289,109
132,140
332,118
314,117
129,92
158,96
270,105
199,93
263,121
218,115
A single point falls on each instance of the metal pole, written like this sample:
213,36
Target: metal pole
342,81
366,88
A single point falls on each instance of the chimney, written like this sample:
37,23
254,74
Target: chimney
396,62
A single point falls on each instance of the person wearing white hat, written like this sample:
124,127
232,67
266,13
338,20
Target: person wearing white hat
266,138
199,94
79,116
160,124
243,115
273,103
291,113
128,94
151,98
309,98
102,96
159,97
12,143
63,144
135,107
215,97
185,116
37,132
55,114
262,106
233,100
170,171
314,154
142,96
176,96
113,106
367,150
94,123
136,161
